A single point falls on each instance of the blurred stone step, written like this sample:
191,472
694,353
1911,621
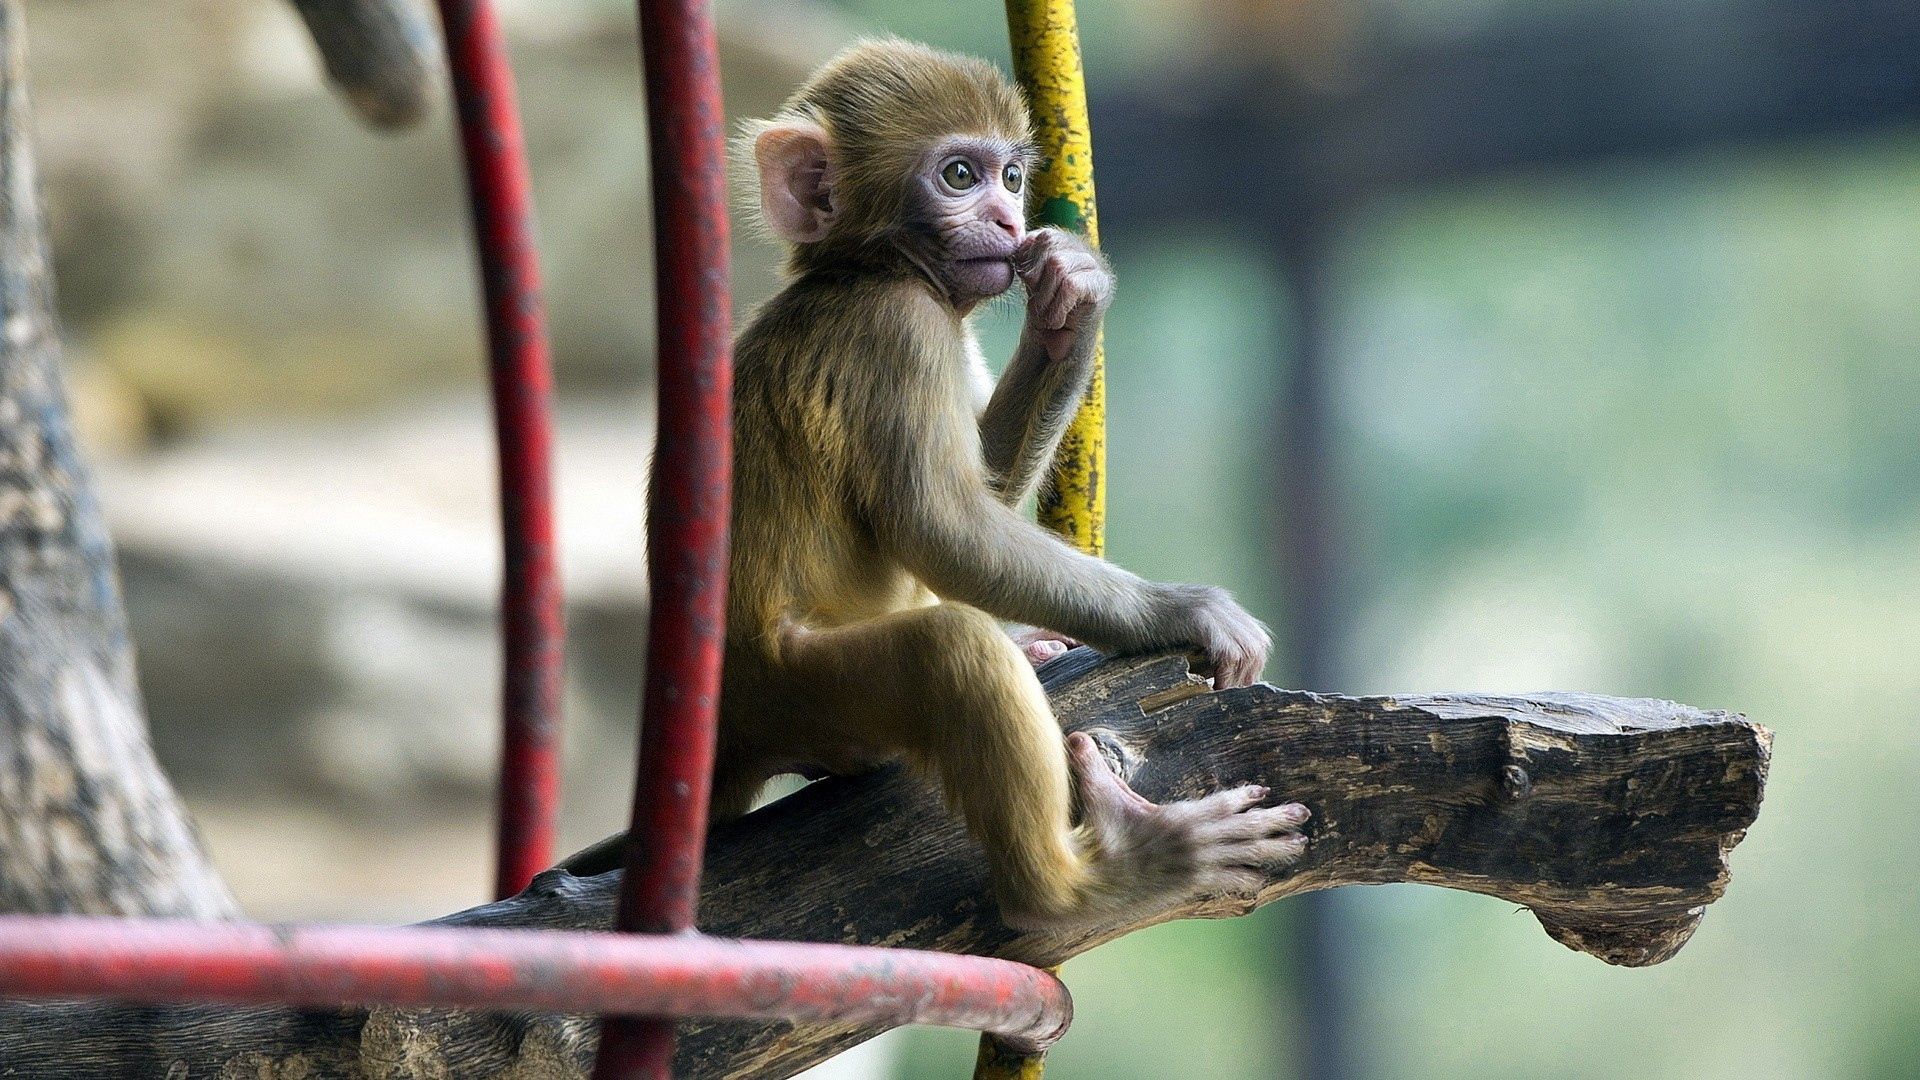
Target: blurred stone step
320,597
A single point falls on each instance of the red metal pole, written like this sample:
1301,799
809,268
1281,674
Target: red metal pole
688,503
533,631
150,960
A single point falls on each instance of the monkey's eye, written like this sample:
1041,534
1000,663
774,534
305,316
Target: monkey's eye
1014,177
959,174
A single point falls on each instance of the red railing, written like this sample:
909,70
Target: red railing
662,970
533,629
688,502
155,960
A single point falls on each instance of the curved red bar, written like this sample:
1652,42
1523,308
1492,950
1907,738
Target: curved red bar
533,624
153,960
688,501
665,972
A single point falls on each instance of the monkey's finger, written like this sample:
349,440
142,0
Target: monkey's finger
1040,298
1060,306
1032,252
1248,667
1079,262
1069,297
1080,294
1224,670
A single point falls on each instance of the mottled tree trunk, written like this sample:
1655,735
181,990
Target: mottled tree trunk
88,823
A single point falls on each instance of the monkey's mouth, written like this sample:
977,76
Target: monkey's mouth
983,277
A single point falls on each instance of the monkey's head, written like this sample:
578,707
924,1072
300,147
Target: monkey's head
900,156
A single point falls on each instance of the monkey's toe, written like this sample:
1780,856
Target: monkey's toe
1039,652
1103,794
1271,852
1255,824
1229,881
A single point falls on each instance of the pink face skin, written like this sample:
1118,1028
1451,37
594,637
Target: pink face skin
968,199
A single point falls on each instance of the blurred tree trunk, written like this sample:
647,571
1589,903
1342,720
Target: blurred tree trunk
88,823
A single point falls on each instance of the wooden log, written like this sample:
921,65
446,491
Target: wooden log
1610,818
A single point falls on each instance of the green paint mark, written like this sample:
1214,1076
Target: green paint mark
1063,212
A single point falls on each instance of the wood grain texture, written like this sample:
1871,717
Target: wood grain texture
1610,818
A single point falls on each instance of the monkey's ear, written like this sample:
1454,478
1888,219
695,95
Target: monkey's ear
796,196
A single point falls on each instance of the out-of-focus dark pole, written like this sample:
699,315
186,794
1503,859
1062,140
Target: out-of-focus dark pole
533,630
1308,552
687,503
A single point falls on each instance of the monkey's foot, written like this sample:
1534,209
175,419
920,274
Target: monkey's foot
1150,856
1039,645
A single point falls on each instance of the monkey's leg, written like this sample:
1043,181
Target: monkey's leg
947,687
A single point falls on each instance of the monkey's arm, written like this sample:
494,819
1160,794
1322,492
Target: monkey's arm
1068,289
1032,405
970,547
920,488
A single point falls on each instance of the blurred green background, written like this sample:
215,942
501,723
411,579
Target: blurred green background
1646,426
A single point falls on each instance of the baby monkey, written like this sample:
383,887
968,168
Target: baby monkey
876,537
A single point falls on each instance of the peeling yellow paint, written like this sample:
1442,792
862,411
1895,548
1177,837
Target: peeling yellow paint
1046,60
997,1063
1045,37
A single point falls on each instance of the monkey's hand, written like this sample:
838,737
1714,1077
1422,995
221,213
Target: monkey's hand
1068,288
1149,856
1223,639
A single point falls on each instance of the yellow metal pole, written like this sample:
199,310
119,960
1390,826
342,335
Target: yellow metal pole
996,1062
1046,60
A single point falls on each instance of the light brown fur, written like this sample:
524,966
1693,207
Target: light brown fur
877,102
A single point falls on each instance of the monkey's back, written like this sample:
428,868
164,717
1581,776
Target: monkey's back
815,369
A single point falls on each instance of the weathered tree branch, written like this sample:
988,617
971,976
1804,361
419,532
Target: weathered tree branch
87,821
382,55
1610,818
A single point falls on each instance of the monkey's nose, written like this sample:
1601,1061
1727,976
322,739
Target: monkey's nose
1006,219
